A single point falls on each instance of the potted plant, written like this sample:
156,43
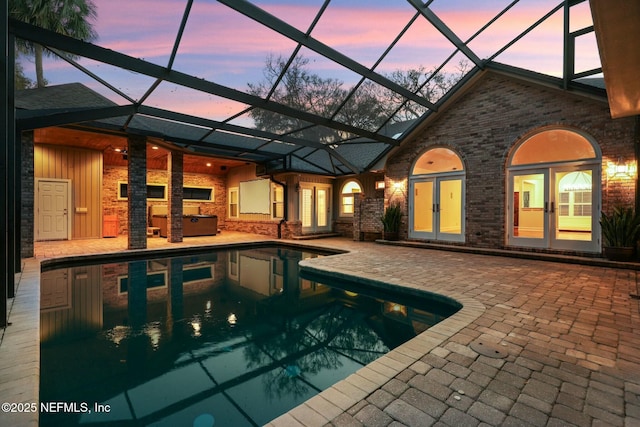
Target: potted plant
621,231
391,221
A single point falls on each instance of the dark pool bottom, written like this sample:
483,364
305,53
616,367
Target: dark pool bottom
227,338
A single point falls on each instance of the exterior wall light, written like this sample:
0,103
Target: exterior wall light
379,185
622,169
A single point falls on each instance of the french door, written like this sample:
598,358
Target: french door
555,208
437,208
315,208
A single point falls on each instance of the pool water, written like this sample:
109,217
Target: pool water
225,338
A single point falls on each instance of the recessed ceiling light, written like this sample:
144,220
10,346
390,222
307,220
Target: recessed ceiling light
154,147
208,164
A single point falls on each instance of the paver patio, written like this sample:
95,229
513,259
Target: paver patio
560,341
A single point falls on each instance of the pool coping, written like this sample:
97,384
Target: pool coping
20,342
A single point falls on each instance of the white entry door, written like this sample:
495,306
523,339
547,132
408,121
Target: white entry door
315,208
53,210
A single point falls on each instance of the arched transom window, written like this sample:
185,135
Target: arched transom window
556,145
349,190
438,160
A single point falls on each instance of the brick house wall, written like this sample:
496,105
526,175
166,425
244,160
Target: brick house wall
112,206
485,123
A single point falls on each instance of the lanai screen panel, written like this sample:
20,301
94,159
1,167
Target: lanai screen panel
262,79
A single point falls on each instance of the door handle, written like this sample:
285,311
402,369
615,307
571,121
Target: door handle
546,206
553,209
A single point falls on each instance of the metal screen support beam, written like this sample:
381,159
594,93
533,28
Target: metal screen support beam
13,169
446,31
107,56
251,11
4,143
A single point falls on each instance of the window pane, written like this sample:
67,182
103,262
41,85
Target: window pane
553,146
438,160
351,187
194,193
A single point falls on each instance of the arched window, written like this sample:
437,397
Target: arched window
554,191
347,197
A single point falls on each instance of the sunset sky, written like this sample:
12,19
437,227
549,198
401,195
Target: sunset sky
223,46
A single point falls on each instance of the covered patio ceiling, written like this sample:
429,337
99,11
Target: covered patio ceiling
219,78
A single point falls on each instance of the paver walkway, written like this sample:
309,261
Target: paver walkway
560,342
570,335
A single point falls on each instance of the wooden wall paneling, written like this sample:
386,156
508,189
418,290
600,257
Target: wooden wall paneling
84,169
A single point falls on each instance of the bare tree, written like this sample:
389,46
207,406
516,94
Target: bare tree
368,106
431,84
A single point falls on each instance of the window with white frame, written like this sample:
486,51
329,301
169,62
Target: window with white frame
348,197
277,201
233,202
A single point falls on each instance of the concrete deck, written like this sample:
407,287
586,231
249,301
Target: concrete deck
560,341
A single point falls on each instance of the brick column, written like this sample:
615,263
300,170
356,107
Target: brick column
137,192
174,212
357,218
27,219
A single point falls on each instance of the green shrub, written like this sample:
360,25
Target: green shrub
621,228
392,218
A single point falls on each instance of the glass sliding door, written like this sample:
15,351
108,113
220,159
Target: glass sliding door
529,209
315,208
575,215
437,209
554,208
449,209
423,209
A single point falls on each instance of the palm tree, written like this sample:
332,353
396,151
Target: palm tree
69,17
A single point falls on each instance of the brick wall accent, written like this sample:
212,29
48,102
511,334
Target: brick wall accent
288,229
344,226
137,192
27,224
175,191
485,124
366,219
266,228
113,206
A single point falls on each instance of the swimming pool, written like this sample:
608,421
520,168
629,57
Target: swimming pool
231,337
